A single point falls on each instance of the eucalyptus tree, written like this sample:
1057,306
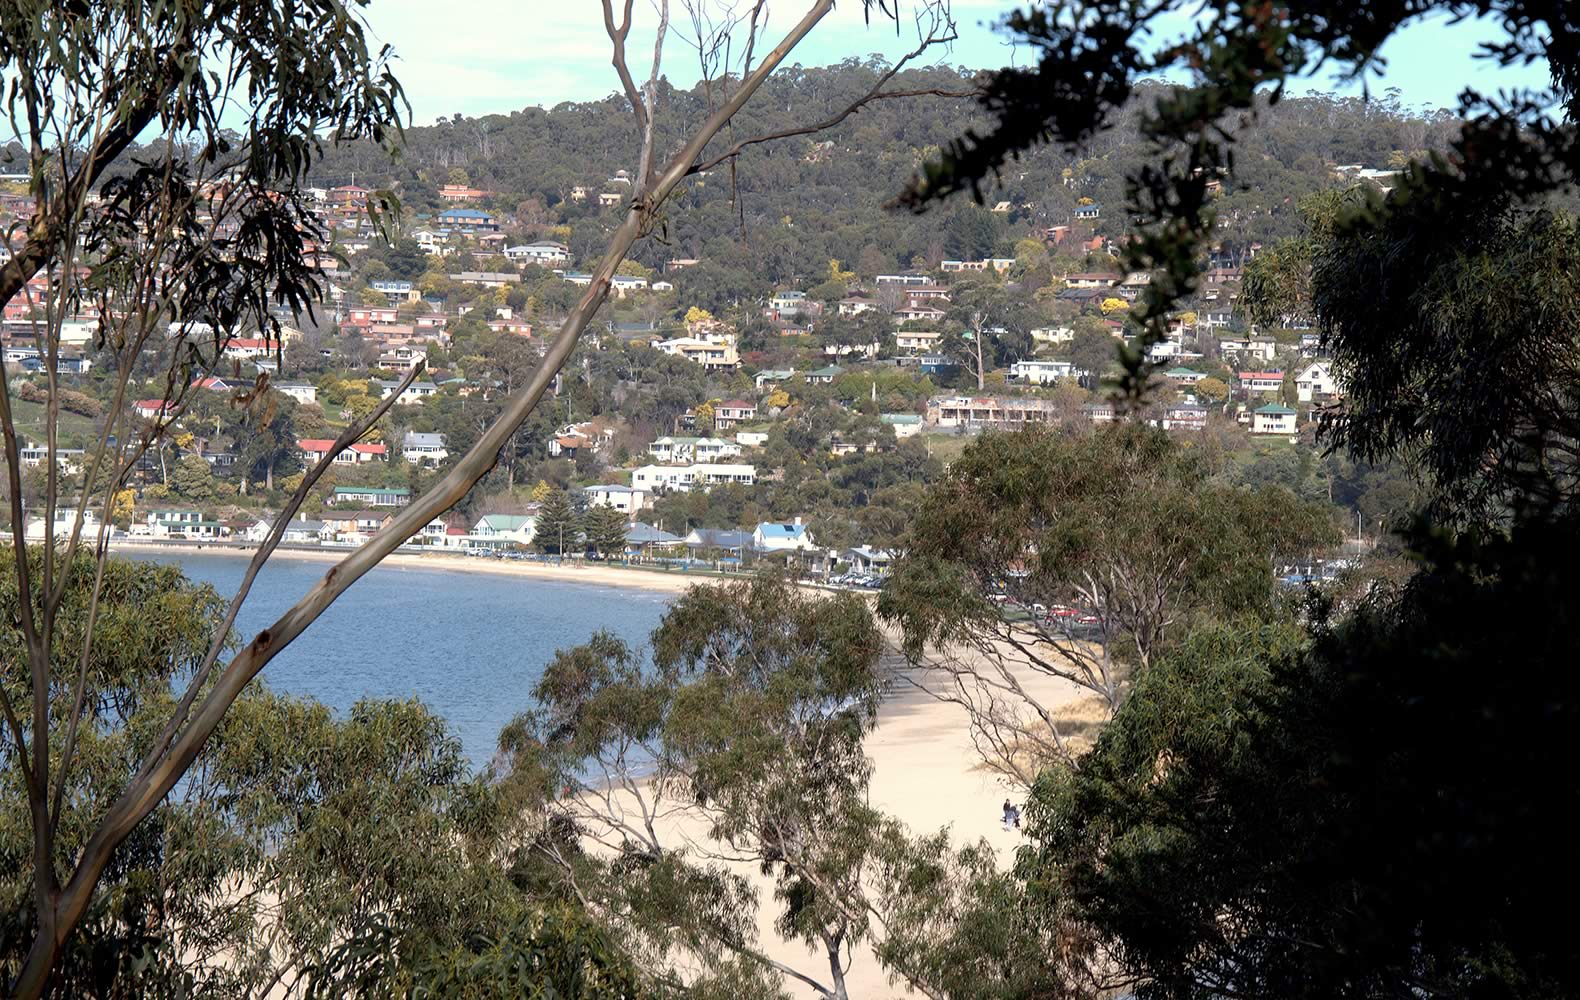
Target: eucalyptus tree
1077,558
208,229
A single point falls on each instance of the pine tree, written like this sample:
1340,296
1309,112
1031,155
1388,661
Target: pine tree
557,521
606,528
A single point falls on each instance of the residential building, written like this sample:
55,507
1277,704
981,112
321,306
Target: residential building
715,352
419,447
1273,419
397,291
1184,417
919,312
917,341
67,460
303,532
1092,279
1261,382
314,449
718,539
683,477
471,219
413,395
905,278
1184,376
544,252
868,560
733,411
502,531
855,305
989,411
487,279
773,536
1052,335
404,356
905,424
1041,372
772,375
824,376
626,499
302,392
1088,213
369,496
1317,383
1100,412
751,439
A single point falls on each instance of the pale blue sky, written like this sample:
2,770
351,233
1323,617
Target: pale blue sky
495,56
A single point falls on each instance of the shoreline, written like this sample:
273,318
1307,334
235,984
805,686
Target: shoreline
574,571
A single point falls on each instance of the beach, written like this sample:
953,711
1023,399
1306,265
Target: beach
926,770
572,571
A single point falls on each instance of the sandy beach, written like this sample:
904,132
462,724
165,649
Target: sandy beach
925,768
572,571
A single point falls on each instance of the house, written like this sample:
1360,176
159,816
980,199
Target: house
855,305
155,409
626,499
461,192
467,218
1100,412
1273,419
1250,348
905,424
772,536
1041,372
419,447
609,199
487,279
905,278
1092,279
182,524
369,496
65,521
773,376
304,532
825,376
623,283
919,312
1005,412
403,357
414,394
1184,376
1261,382
733,411
751,439
544,252
502,531
652,478
917,341
715,352
867,560
397,291
718,539
302,392
1316,383
1184,417
1088,213
314,450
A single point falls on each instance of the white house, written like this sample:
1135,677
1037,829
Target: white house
626,499
420,447
905,424
544,252
772,536
1316,382
302,392
1273,419
1041,372
715,352
502,531
684,477
751,439
414,394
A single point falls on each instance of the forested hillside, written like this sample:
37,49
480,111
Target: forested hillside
791,205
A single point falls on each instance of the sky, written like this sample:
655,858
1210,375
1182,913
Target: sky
507,54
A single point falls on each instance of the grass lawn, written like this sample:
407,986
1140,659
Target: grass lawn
74,430
946,446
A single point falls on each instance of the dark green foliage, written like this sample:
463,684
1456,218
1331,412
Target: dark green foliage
558,529
1376,811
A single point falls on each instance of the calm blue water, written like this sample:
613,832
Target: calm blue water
470,645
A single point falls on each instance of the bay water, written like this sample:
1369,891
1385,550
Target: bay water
469,645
